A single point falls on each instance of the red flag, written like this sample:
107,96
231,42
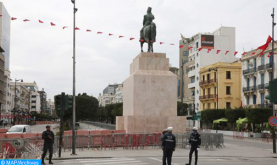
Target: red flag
263,47
121,36
13,18
40,21
141,40
244,53
65,27
76,28
26,20
235,53
190,47
99,32
132,38
200,49
88,30
161,43
181,46
172,44
253,53
110,34
52,24
218,51
226,52
209,50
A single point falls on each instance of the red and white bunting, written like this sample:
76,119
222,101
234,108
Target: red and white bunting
200,49
26,20
40,21
110,34
209,50
161,43
121,36
218,51
65,27
76,28
99,32
190,47
226,52
88,30
132,39
13,18
181,46
172,44
236,52
52,24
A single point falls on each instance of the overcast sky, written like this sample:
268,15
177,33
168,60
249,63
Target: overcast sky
43,53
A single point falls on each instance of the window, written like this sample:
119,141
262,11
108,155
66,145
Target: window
262,79
197,54
203,78
33,101
203,106
209,105
228,105
208,77
193,80
228,74
262,59
34,96
247,100
255,62
214,105
228,90
196,44
33,107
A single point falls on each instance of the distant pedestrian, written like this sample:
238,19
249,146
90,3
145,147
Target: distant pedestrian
48,137
168,146
195,142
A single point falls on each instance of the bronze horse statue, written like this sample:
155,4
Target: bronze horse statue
148,32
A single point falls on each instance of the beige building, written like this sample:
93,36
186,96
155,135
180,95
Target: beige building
106,99
22,97
220,86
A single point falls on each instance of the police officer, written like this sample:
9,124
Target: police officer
168,146
195,142
48,137
163,133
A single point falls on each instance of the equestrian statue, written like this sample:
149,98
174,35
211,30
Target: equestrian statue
148,32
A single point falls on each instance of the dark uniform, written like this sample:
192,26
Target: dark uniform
168,145
48,144
195,142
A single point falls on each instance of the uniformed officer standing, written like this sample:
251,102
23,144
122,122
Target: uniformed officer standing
195,142
48,137
168,146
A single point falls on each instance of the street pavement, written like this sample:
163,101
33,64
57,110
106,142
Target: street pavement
42,127
158,161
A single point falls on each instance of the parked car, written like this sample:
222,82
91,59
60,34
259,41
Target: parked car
17,129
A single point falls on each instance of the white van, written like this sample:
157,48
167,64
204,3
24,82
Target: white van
17,129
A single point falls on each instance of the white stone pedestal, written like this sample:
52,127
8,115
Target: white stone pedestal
150,97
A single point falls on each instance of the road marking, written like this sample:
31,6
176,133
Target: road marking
162,161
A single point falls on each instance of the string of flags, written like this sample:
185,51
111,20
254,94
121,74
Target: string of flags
260,50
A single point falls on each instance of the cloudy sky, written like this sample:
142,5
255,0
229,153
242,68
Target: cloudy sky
43,53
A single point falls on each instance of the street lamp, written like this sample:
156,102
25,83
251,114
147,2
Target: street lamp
14,110
74,78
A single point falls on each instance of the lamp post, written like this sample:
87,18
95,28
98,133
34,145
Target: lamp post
74,78
272,78
14,109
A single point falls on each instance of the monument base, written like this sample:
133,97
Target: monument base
150,124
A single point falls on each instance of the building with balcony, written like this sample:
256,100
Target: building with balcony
221,39
51,108
118,94
256,74
35,96
220,86
22,99
43,101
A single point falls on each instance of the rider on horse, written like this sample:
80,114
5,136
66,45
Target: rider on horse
147,20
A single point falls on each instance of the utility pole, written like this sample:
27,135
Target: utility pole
74,78
61,122
272,78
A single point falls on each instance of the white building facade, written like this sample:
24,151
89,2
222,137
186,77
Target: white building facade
118,94
256,74
223,40
35,96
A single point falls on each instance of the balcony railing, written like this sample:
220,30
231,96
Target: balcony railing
261,67
262,86
211,96
250,89
207,82
269,66
248,71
